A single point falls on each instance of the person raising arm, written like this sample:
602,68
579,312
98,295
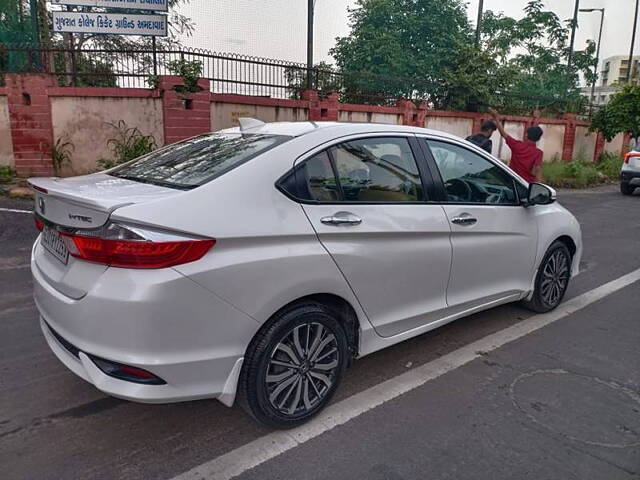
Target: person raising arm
526,157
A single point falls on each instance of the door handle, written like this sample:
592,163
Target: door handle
465,220
342,218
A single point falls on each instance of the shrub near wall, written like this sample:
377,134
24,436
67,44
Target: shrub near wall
580,173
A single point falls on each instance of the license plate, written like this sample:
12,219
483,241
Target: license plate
55,245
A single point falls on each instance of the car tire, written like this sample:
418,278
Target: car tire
293,366
626,189
552,279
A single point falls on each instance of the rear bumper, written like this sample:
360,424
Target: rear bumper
159,321
631,177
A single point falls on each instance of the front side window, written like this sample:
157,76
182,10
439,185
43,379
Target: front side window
470,178
193,162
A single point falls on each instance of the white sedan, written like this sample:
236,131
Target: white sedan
258,262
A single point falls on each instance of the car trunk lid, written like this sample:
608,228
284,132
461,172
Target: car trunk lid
84,202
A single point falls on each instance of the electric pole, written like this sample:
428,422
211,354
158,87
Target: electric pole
633,41
574,25
479,22
310,5
597,62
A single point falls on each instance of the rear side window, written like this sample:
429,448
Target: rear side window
198,160
377,170
380,170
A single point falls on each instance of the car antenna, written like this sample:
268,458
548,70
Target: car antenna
247,123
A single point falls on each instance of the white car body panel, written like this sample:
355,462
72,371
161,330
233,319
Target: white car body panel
191,324
397,260
493,257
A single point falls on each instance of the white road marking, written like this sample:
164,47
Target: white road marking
14,210
14,267
265,448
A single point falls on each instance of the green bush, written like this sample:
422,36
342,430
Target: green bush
190,71
609,165
129,143
61,153
580,173
7,174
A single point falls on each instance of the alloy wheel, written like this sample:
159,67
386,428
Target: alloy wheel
555,278
302,368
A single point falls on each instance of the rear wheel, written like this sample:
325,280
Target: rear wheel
294,366
552,279
626,189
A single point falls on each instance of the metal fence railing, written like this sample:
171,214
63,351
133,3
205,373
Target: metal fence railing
228,73
236,74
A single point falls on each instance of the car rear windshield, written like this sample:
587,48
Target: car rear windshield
196,161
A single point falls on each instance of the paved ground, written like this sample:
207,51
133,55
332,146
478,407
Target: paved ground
562,402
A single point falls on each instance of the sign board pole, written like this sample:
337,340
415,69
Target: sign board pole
155,60
35,26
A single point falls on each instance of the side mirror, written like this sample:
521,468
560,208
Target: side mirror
540,194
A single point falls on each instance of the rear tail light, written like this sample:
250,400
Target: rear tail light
127,372
631,155
127,246
39,223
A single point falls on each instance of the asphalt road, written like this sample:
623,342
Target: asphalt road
561,402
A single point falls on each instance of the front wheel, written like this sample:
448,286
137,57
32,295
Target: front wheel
552,279
294,366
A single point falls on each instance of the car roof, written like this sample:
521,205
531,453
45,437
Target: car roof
297,129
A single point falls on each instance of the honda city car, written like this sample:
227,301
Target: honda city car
254,264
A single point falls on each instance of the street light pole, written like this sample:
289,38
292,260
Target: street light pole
593,82
479,22
574,25
310,5
633,40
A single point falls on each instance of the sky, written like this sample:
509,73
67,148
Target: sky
277,28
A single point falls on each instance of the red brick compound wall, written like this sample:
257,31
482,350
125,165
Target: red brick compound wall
30,122
39,113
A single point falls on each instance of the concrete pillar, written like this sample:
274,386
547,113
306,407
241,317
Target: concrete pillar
185,115
409,112
600,143
315,112
569,139
31,125
322,110
477,122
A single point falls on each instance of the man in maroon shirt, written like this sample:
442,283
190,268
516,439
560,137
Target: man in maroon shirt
526,158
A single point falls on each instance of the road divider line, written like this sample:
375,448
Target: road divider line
15,210
246,457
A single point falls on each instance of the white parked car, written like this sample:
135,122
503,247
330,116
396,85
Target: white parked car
257,262
630,173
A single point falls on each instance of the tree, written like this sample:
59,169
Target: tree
424,49
15,21
620,115
405,46
538,70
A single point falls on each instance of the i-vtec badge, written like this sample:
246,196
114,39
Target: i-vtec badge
81,218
